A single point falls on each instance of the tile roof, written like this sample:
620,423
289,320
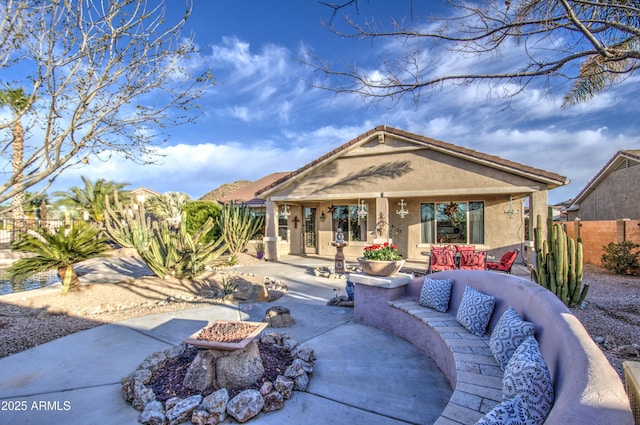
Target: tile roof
491,160
247,194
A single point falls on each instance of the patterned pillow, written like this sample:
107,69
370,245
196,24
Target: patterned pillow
436,293
508,334
475,311
509,412
528,377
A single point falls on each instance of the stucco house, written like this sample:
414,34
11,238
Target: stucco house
391,184
613,193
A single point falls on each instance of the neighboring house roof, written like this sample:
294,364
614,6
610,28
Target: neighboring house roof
623,158
247,193
144,192
552,179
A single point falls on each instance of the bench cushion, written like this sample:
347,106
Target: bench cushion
475,311
528,377
508,334
436,293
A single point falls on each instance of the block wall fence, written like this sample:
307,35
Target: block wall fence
596,234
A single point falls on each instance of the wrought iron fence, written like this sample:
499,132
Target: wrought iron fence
11,229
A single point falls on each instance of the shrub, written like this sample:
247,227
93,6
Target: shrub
197,214
619,257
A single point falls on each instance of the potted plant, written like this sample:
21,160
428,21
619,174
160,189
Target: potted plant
381,260
259,249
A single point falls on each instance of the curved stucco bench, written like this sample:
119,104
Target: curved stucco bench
587,389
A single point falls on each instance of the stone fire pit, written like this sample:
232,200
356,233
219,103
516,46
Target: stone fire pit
215,383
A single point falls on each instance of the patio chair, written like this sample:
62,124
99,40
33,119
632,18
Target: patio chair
442,258
505,263
472,260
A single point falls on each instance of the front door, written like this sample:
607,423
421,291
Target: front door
310,234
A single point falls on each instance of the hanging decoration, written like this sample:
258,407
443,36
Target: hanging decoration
511,212
362,210
402,211
331,209
285,213
450,209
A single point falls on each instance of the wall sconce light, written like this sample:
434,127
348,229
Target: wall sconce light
322,216
402,211
285,213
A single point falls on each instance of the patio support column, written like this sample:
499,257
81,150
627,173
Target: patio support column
271,231
382,207
538,205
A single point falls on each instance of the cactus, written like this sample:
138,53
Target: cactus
238,225
559,263
166,252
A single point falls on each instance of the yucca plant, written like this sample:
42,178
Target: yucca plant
58,250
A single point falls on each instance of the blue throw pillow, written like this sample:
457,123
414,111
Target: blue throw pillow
436,293
475,311
508,334
528,377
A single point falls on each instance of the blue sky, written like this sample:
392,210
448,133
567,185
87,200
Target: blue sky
262,116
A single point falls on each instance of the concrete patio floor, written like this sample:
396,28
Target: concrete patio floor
362,376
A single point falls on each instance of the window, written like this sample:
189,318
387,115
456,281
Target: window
283,228
453,222
353,227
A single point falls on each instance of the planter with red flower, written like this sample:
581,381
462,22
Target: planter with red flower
381,260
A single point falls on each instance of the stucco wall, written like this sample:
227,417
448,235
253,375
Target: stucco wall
616,196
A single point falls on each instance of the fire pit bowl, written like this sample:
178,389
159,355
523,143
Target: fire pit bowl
226,334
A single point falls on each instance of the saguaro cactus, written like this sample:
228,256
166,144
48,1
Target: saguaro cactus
559,263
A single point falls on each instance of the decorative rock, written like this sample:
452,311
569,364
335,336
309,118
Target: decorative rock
153,414
241,368
301,382
182,410
175,351
284,386
216,404
201,372
266,388
270,338
134,390
305,353
295,369
289,343
307,367
279,317
171,402
245,405
203,417
273,401
153,360
341,301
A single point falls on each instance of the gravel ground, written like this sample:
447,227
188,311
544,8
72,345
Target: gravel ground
33,320
611,312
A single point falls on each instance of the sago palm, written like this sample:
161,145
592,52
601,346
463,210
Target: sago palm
58,250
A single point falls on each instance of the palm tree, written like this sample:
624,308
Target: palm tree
168,206
58,250
18,102
91,198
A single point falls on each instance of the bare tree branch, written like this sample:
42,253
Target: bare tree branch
591,42
103,78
